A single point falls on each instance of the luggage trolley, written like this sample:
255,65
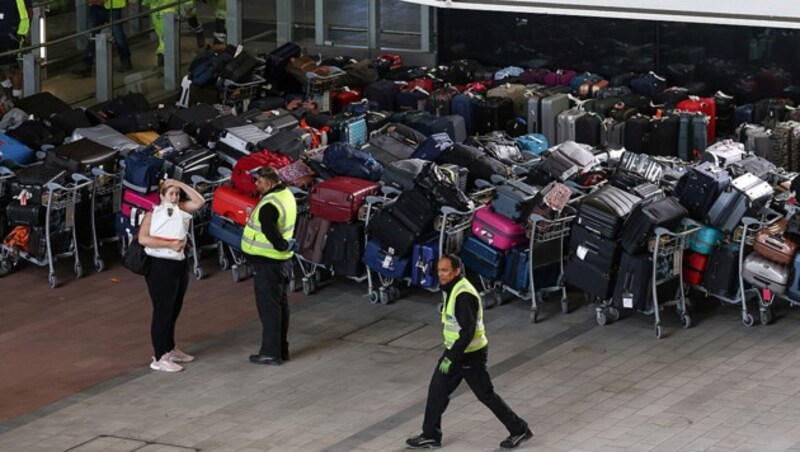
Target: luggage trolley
750,226
59,200
240,94
105,184
668,247
551,230
387,291
202,218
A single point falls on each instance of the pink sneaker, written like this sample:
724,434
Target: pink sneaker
165,365
177,356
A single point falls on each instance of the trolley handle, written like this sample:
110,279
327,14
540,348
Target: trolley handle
6,173
99,171
80,180
390,191
447,210
750,222
484,184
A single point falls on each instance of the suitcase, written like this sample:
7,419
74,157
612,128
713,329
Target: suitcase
593,249
700,188
758,166
707,106
231,204
612,133
514,200
14,153
694,267
595,281
724,153
746,196
36,133
395,142
382,92
566,124
483,259
648,191
663,140
464,105
763,273
404,222
196,161
722,272
633,285
704,240
42,105
384,261
543,114
637,135
424,258
70,120
344,248
134,205
31,214
497,145
127,227
81,156
649,85
34,179
493,113
243,177
533,142
779,248
310,235
588,130
605,210
496,230
191,120
559,77
60,242
245,139
338,199
645,218
401,174
108,137
452,125
225,231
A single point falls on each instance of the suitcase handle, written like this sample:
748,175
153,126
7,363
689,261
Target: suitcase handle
488,236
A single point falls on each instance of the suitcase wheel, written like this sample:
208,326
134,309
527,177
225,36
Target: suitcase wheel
198,273
766,316
310,285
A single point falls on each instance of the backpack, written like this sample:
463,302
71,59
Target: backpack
142,172
345,160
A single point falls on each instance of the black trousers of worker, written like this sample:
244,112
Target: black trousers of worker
473,370
271,283
167,281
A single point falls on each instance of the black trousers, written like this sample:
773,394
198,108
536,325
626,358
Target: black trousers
473,370
166,281
271,283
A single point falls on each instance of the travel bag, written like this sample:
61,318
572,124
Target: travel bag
394,142
344,249
402,223
543,111
724,153
722,271
514,200
338,199
33,181
704,240
226,231
777,247
566,125
746,195
401,174
694,267
14,153
496,230
245,139
605,210
758,166
343,159
42,105
533,142
81,156
134,205
700,188
794,287
385,261
645,218
765,274
482,258
493,113
108,137
310,234
243,177
424,259
233,205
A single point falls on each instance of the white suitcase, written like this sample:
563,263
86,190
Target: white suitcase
244,139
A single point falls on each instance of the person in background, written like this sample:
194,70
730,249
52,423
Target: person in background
465,355
189,11
102,12
163,235
14,30
268,245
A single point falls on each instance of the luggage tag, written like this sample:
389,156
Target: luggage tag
627,300
387,262
582,251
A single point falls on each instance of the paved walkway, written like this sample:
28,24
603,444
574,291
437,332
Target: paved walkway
359,372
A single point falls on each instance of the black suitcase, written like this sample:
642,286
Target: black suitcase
493,113
275,70
663,140
605,210
33,180
595,281
60,242
211,131
70,120
637,134
593,249
240,68
36,133
461,155
645,218
291,143
648,191
633,285
122,106
700,188
401,225
722,272
31,214
42,105
139,121
279,119
384,93
401,174
196,161
81,156
191,119
344,249
587,129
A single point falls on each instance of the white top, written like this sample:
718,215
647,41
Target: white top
168,222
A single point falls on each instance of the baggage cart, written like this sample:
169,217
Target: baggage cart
105,186
200,220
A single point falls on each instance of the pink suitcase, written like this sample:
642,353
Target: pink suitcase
497,231
560,77
132,200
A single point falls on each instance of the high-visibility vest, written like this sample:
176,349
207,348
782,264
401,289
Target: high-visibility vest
452,329
24,23
114,4
254,242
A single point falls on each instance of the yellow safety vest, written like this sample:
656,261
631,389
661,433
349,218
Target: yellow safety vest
24,23
114,4
254,242
452,329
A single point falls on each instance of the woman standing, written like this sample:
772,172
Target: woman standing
163,235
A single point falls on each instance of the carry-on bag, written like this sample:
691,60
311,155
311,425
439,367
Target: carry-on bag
424,258
766,274
310,234
384,261
226,231
605,210
338,199
483,259
81,156
514,200
700,188
233,205
404,222
344,248
645,218
722,272
496,230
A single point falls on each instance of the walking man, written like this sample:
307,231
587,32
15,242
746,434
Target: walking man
268,246
464,358
102,12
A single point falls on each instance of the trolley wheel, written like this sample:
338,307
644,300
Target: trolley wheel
687,321
235,272
78,271
198,273
52,280
292,285
602,320
766,316
5,267
224,263
383,296
564,306
317,275
534,315
658,332
394,293
99,264
373,297
747,319
491,300
308,286
613,314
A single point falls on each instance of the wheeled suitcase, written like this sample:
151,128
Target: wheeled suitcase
566,124
310,235
394,142
746,195
197,161
226,231
344,248
595,281
514,200
338,199
758,166
722,271
134,205
245,139
694,267
543,111
707,106
633,286
588,129
424,258
384,261
30,214
700,188
493,113
777,247
482,258
704,240
404,222
107,136
42,105
36,134
33,181
496,230
593,249
605,210
724,153
766,274
243,178
233,205
645,218
647,191
70,120
192,119
81,156
663,140
401,174
13,152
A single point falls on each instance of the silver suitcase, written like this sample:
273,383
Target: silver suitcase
244,139
763,273
724,153
106,136
543,114
566,124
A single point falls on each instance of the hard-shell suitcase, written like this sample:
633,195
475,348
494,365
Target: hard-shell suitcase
405,221
83,155
588,129
764,273
338,199
42,105
700,187
227,232
34,179
13,153
703,241
514,200
779,247
385,261
722,272
493,113
566,125
401,174
724,153
747,194
543,114
645,218
310,235
497,230
233,205
197,161
694,267
663,140
612,133
344,248
648,191
637,135
107,136
134,205
244,139
424,258
243,178
707,106
482,258
605,210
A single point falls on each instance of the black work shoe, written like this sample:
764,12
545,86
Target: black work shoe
125,66
515,440
263,359
420,442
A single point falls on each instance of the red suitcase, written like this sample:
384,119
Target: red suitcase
233,205
694,267
242,178
705,105
342,98
338,199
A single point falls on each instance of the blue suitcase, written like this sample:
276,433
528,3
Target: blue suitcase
463,106
703,241
700,188
125,226
384,263
743,115
226,231
516,273
424,258
14,153
533,142
482,258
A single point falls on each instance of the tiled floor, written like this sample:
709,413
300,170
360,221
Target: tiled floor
75,376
